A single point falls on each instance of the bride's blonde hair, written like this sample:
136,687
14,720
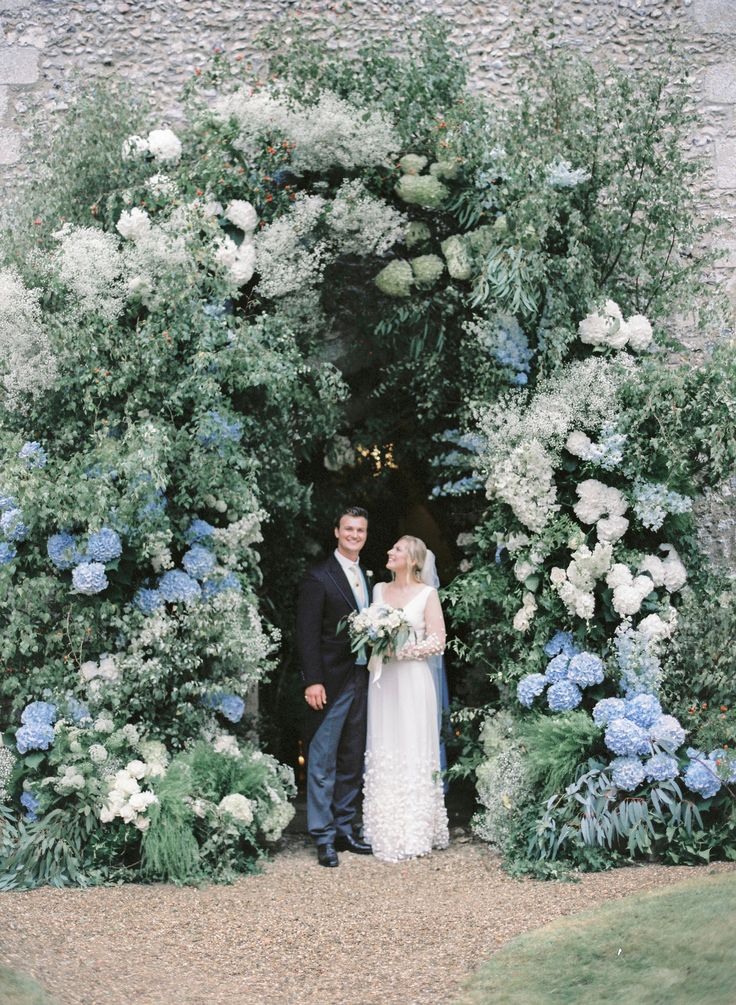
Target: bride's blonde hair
417,554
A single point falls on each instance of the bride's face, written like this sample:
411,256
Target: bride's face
398,557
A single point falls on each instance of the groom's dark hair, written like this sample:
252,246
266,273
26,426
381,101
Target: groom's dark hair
350,511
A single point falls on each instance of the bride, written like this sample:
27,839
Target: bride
403,809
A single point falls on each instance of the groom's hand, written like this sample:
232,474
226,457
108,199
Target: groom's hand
316,696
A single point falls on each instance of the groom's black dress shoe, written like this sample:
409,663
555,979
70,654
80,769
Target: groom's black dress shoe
326,856
348,842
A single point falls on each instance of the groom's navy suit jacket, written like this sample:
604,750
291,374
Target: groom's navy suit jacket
325,597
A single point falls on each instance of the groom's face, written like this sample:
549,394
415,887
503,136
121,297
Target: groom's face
351,535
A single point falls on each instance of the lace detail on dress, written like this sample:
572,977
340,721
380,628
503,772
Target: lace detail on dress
403,810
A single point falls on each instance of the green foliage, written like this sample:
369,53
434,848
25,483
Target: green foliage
556,747
49,851
170,852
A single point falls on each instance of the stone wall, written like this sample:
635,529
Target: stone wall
47,46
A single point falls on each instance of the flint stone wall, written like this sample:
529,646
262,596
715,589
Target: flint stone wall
47,46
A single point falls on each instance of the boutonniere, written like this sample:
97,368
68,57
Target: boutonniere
369,573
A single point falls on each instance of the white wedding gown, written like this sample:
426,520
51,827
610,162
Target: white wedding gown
403,808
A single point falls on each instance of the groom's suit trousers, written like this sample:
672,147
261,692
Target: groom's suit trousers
335,764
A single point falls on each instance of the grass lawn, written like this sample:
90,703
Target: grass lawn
671,947
17,990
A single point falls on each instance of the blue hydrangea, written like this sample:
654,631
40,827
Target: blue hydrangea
198,531
725,762
215,430
644,710
6,503
510,348
585,670
104,546
154,506
608,709
148,601
561,642
626,738
30,803
198,561
661,767
653,501
667,732
702,777
33,454
12,526
34,736
62,550
77,711
213,587
176,585
529,688
7,552
89,578
37,713
564,696
627,773
557,668
231,706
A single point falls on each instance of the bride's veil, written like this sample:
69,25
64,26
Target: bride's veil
437,663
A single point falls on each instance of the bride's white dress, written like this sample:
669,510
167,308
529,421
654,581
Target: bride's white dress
403,808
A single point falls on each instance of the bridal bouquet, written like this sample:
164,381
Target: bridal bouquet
382,629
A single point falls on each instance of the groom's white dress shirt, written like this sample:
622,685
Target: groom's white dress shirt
356,579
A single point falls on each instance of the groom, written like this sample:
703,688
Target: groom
335,690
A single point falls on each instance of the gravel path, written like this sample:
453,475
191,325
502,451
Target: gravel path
297,934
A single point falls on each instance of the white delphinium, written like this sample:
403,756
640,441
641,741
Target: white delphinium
561,174
242,214
239,807
27,362
526,483
525,615
629,591
289,256
90,264
362,224
133,224
330,133
232,542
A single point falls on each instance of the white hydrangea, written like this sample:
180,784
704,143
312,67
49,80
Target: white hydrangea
656,628
596,500
242,215
70,779
330,133
575,584
98,753
133,224
238,807
164,146
227,745
668,572
608,328
104,724
239,261
162,186
27,362
277,817
629,591
127,800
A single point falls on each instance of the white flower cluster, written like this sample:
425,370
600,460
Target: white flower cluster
629,590
227,745
239,807
525,615
608,328
89,263
608,453
288,255
361,224
526,483
561,174
126,799
28,364
576,583
233,541
604,506
162,144
668,572
330,133
134,224
156,250
238,260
